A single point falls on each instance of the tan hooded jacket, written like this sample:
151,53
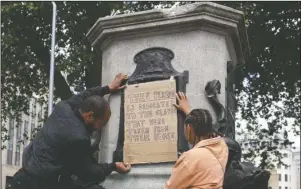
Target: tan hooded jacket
202,167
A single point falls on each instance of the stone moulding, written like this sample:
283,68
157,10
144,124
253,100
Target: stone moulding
212,15
153,64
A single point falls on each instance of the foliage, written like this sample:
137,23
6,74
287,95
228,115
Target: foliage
271,75
271,87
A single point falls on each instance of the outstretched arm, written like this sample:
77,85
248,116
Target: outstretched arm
88,170
76,100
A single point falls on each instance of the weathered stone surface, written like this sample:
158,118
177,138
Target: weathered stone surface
203,37
204,54
142,176
182,18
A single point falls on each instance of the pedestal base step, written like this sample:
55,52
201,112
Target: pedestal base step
140,177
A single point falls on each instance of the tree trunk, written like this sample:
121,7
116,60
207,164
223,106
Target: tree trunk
93,72
62,89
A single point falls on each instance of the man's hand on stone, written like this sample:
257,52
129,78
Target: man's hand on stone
122,167
117,83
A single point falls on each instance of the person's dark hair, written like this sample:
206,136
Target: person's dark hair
96,104
201,121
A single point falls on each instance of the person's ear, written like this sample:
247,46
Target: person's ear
189,128
189,131
90,116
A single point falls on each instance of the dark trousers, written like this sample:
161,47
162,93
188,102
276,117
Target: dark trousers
22,180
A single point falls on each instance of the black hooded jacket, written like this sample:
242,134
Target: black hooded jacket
63,145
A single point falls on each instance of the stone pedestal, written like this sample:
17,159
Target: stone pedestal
203,37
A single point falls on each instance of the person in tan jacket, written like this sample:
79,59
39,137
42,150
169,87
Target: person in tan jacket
203,166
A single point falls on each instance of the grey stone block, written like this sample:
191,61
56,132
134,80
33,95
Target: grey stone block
203,37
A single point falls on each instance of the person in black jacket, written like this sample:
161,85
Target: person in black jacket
63,147
73,181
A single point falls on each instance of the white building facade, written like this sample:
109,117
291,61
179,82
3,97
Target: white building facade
17,131
286,172
282,176
296,169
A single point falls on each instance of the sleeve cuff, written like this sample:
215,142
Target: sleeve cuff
113,166
107,89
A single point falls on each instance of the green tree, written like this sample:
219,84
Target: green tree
271,88
271,75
